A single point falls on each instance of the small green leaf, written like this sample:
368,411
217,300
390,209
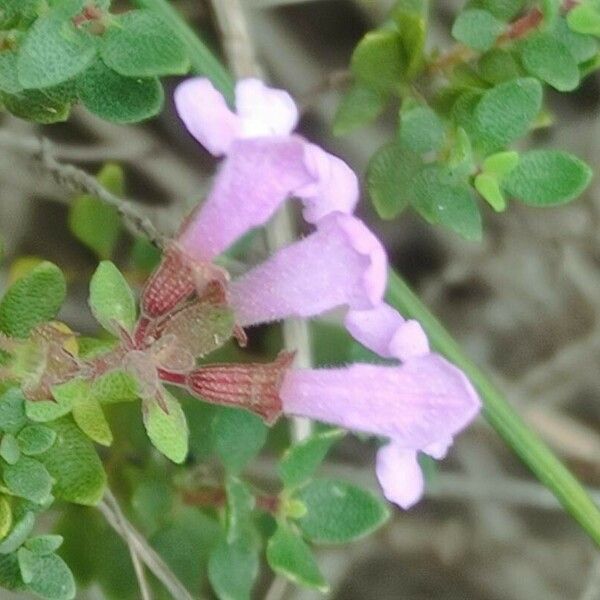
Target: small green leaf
89,417
505,10
10,575
168,432
301,460
64,396
585,18
440,197
140,44
358,107
20,532
412,26
9,81
487,185
47,576
6,517
111,299
39,106
75,466
547,58
35,439
32,300
338,512
94,223
421,130
232,569
113,387
389,174
289,555
54,49
44,544
117,98
501,163
29,479
9,449
581,47
547,178
506,112
238,437
12,410
378,60
478,29
498,66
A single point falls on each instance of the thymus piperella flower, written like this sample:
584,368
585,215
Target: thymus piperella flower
420,403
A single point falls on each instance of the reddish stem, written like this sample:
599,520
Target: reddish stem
217,498
179,379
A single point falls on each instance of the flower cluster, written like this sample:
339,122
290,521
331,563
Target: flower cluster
420,403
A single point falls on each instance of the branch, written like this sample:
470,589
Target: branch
143,550
76,179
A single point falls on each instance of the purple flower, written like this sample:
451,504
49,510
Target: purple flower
265,164
420,404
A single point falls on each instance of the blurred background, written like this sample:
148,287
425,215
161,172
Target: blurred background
525,303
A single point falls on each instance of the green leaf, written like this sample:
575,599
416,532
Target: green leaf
29,479
498,66
38,106
54,49
35,439
301,460
141,44
378,60
113,387
111,299
505,10
18,13
389,174
412,26
581,47
47,576
12,410
32,300
358,107
64,396
547,178
9,81
440,197
501,163
9,449
6,518
120,99
478,29
487,185
168,432
44,544
89,417
75,466
421,130
584,18
289,555
94,223
232,569
338,512
547,58
10,575
20,532
507,111
238,437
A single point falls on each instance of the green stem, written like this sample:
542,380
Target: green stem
203,61
501,416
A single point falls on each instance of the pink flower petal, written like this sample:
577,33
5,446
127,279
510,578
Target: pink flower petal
438,450
264,111
206,115
416,404
340,264
254,180
384,331
400,475
335,188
